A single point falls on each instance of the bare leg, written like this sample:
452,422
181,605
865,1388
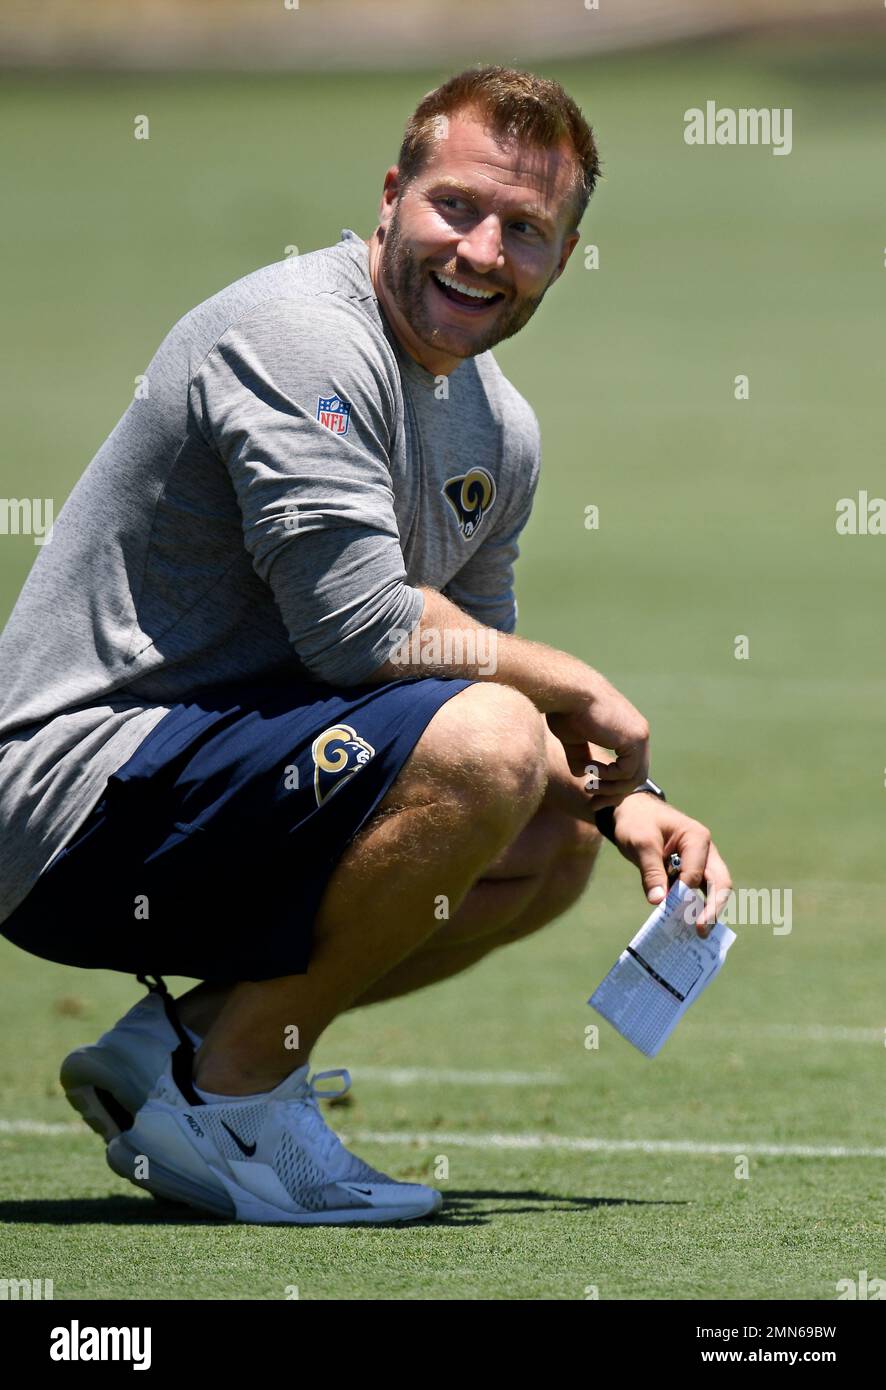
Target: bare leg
537,878
504,906
473,782
201,1006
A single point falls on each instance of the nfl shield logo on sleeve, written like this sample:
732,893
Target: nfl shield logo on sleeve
334,413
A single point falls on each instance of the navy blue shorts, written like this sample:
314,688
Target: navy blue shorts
211,848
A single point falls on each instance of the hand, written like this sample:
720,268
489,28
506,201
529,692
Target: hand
647,831
611,721
566,791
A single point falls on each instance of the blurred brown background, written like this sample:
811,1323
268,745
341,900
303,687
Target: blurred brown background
365,34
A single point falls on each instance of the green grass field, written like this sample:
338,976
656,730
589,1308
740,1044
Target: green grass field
717,519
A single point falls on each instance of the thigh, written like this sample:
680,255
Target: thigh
551,835
487,730
212,847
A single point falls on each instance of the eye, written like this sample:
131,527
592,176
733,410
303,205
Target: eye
529,228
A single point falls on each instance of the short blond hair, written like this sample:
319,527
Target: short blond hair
516,106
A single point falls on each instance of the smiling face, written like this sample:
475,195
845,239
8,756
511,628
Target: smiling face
466,251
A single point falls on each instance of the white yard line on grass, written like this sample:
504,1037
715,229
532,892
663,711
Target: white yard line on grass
794,1032
745,1033
822,1032
437,1139
454,1076
39,1127
442,1139
442,1076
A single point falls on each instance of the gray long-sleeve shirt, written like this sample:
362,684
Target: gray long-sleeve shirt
285,479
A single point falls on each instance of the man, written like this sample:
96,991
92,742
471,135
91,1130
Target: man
251,728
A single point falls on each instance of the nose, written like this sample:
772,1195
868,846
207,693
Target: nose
481,246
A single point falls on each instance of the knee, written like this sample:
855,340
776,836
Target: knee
503,748
489,746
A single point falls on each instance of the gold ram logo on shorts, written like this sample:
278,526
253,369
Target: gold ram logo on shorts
338,754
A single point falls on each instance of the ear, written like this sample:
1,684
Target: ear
390,194
569,246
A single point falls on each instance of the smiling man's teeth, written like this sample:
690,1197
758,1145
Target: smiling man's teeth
464,289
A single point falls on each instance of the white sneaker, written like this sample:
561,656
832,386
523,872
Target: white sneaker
263,1159
109,1081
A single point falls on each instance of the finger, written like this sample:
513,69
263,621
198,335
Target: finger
694,845
650,861
578,757
610,791
631,766
718,886
610,774
631,753
603,778
610,797
636,747
616,789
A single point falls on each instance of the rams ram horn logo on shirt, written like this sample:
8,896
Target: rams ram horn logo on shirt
338,753
470,496
334,413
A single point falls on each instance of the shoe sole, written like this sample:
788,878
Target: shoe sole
235,1203
164,1183
102,1097
99,1093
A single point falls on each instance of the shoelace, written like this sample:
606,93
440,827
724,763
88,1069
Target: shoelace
322,1076
326,1139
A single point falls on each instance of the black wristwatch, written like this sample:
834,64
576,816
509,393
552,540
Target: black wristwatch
605,819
